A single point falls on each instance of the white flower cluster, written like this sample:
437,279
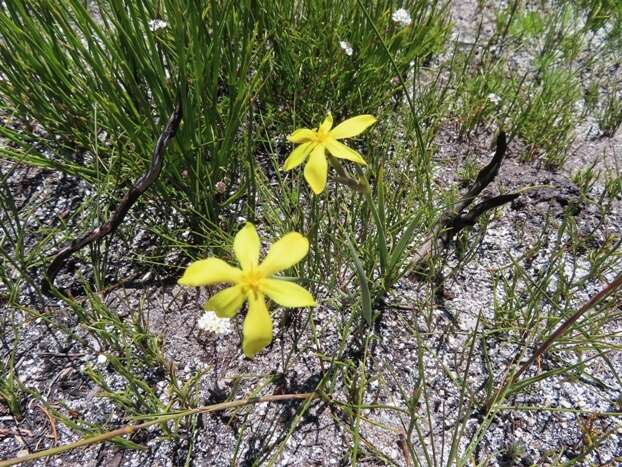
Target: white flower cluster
346,47
220,187
212,323
493,98
401,17
157,24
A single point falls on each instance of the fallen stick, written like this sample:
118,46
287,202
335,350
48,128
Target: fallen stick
561,330
143,183
454,219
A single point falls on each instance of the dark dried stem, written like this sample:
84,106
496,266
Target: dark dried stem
487,174
557,334
457,223
566,325
141,185
453,220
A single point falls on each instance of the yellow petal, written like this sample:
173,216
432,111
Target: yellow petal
342,151
298,155
246,246
257,329
316,170
327,124
284,253
209,271
227,302
302,135
286,293
353,126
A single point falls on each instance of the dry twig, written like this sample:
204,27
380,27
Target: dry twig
455,219
143,183
561,330
128,429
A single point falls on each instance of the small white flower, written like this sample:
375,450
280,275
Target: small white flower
157,24
101,359
347,47
401,17
211,322
493,98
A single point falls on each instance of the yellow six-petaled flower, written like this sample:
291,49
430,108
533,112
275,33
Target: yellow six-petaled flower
252,282
315,143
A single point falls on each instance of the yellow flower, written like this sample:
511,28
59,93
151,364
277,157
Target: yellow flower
252,281
314,143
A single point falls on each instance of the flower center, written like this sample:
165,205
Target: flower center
250,281
321,135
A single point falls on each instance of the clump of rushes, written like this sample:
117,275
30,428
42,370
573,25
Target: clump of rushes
252,282
315,143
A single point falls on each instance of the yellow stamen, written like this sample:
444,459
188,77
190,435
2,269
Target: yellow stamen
321,135
251,280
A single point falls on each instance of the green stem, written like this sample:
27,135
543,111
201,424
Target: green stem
380,230
417,125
